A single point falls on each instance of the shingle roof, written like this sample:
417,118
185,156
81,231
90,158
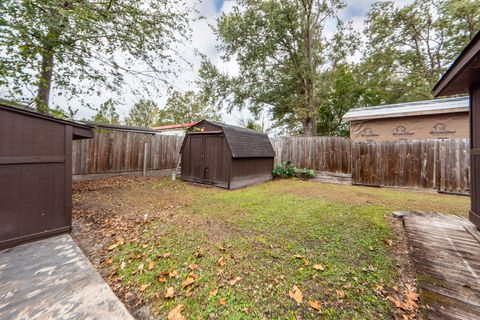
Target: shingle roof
245,143
436,106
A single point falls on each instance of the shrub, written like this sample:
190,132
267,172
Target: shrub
287,170
304,174
284,170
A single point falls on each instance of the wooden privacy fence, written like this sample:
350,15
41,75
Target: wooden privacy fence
123,151
325,154
443,165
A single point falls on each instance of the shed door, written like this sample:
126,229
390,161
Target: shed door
205,157
475,156
212,157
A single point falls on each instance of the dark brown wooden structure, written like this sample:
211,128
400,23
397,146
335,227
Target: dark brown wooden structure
464,76
226,156
35,174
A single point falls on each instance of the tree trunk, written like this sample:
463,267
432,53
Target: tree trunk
310,129
45,81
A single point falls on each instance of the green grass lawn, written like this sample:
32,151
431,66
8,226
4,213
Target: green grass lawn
243,251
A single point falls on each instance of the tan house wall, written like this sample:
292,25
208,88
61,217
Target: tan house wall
437,126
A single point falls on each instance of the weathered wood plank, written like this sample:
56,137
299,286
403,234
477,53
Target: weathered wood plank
447,261
120,151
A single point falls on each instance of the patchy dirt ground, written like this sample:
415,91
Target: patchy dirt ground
283,249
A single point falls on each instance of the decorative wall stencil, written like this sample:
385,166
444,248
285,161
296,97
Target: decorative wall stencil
402,131
441,128
368,133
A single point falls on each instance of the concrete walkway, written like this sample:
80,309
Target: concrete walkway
52,279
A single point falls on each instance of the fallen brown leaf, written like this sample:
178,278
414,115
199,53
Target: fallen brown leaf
151,265
166,255
213,292
162,279
234,281
340,294
189,293
116,244
411,299
221,262
396,302
316,305
170,293
189,281
173,273
193,266
296,294
223,301
144,287
319,266
388,242
176,313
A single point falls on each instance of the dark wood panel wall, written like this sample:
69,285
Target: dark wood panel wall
35,178
247,171
475,154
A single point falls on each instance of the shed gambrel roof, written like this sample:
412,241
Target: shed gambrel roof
243,142
417,108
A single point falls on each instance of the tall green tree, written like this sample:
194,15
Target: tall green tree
106,113
187,107
254,124
86,46
343,93
144,113
408,48
281,51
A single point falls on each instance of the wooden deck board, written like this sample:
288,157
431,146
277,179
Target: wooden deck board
447,259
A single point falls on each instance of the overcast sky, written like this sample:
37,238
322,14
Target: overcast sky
204,41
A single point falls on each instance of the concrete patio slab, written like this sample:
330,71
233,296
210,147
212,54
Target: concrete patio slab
52,279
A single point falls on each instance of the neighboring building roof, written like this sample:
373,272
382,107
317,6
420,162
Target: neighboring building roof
462,73
81,130
120,127
243,142
175,126
436,106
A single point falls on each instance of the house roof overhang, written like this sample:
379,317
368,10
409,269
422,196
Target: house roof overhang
464,73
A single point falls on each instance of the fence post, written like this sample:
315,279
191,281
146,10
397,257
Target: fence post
145,152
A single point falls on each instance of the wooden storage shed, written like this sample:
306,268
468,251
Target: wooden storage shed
464,76
35,174
226,156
